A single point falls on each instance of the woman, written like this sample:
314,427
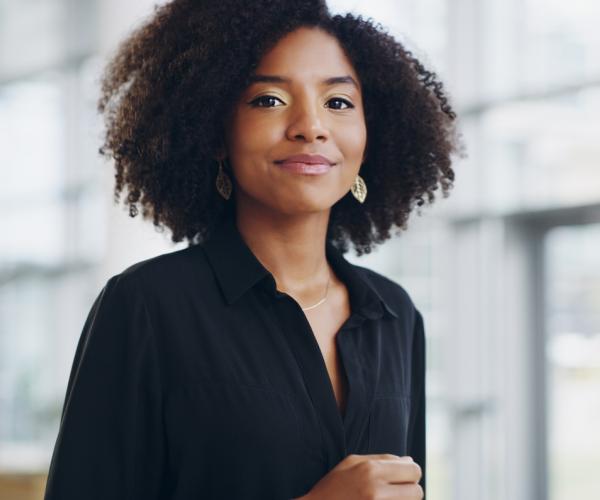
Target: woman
258,362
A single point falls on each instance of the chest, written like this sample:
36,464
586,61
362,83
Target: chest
335,370
246,391
325,325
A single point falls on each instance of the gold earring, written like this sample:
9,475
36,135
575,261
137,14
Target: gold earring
223,182
359,189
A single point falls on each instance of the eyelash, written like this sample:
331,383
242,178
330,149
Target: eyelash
254,102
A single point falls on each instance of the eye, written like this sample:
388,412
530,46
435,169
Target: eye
263,99
347,103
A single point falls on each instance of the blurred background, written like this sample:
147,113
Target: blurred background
506,271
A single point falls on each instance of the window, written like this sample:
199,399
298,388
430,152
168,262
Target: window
52,215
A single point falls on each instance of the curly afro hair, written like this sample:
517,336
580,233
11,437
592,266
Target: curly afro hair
172,80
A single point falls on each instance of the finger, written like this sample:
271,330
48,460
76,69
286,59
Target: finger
355,459
388,456
408,491
398,472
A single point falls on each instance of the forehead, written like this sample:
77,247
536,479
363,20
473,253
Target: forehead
306,53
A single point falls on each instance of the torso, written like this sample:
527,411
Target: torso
325,322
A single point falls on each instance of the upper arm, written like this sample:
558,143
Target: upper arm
109,441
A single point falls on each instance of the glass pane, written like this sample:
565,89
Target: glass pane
41,346
31,35
537,154
32,124
561,42
535,45
32,234
38,34
573,361
52,205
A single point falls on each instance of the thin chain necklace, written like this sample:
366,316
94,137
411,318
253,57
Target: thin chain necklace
323,299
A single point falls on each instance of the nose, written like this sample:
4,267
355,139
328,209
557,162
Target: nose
306,123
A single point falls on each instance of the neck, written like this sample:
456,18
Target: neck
291,247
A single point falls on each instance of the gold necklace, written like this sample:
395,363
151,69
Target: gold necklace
322,300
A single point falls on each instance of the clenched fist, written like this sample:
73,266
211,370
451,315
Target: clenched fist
370,477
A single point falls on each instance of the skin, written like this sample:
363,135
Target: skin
283,216
373,477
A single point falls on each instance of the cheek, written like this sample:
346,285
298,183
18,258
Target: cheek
352,144
249,150
254,134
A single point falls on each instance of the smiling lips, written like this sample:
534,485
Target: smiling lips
306,164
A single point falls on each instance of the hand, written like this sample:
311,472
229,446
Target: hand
370,477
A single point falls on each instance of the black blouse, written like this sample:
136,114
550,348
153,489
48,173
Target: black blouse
194,378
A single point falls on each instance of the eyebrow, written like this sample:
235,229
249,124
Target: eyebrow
334,80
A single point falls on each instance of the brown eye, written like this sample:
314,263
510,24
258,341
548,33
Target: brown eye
263,99
347,103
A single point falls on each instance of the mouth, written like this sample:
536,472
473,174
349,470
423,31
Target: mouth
305,168
306,164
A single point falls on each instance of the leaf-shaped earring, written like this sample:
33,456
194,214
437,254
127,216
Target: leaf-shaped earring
359,189
223,182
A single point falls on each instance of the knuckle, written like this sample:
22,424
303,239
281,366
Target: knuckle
418,470
369,468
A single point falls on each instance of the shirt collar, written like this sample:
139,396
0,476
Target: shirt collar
237,270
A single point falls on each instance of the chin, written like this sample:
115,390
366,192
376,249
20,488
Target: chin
305,208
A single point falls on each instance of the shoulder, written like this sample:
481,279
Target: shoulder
392,293
164,272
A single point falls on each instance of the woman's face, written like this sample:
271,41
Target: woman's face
297,111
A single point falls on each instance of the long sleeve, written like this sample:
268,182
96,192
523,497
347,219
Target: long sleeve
416,438
110,440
